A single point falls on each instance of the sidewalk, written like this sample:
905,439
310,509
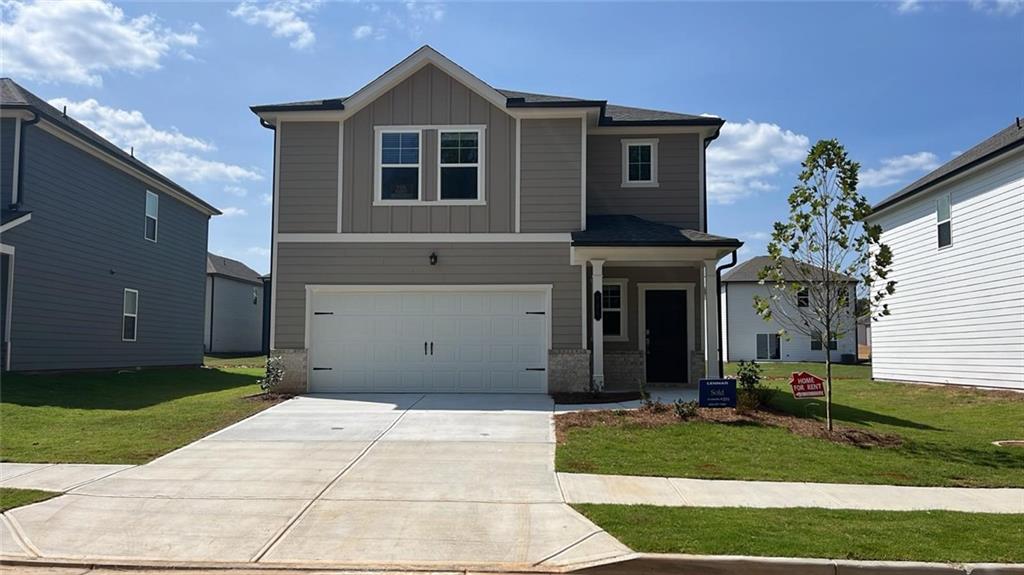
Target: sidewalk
677,492
58,477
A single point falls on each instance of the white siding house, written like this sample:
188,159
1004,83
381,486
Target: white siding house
957,237
747,336
234,307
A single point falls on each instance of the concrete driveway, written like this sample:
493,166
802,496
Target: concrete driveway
451,481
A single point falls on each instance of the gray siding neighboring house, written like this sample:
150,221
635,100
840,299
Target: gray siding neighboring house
234,307
74,241
382,283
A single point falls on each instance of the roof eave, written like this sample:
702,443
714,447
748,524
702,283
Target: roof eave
715,122
329,105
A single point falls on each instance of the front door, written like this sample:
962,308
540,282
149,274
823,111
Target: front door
665,321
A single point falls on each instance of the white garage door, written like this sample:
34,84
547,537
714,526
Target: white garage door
423,339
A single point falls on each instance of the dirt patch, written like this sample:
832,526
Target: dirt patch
587,397
657,417
270,397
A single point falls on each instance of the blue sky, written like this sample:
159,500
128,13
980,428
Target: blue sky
904,85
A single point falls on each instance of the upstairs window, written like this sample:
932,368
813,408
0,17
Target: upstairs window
639,163
816,344
130,315
943,215
613,310
398,155
152,215
803,298
460,165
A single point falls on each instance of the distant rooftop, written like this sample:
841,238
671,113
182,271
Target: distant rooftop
227,267
748,271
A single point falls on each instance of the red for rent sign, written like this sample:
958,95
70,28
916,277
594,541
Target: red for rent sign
807,385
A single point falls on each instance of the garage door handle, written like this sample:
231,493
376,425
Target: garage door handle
536,369
535,313
431,348
323,368
424,348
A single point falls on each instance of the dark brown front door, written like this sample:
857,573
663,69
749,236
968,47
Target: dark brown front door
665,319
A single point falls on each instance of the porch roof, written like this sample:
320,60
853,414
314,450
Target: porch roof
633,231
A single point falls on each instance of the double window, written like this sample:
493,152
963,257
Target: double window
639,163
459,176
944,220
768,346
130,315
816,344
152,215
613,306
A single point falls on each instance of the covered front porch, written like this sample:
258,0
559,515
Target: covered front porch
650,294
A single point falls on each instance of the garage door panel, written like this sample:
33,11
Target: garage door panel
483,341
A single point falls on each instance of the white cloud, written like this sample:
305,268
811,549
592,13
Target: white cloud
231,211
172,153
411,17
236,191
266,199
757,236
360,32
999,7
284,18
899,168
747,155
258,251
78,41
908,6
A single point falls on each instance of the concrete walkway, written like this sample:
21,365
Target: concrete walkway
58,477
378,481
677,492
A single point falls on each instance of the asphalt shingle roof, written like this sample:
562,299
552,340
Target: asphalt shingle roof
1007,139
14,96
222,266
625,230
749,270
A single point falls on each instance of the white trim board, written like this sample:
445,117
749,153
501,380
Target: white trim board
274,255
15,223
424,238
691,294
8,250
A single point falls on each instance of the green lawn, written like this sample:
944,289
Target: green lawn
238,361
129,417
943,536
11,498
947,436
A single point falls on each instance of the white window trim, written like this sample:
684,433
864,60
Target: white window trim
156,218
653,182
479,165
623,309
949,220
125,314
378,166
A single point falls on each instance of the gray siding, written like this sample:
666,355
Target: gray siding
429,97
7,126
308,195
237,321
83,246
406,264
550,186
675,201
638,275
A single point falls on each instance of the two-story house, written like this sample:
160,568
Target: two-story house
104,258
432,233
957,240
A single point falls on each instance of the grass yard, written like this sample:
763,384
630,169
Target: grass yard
823,533
129,417
11,498
235,361
947,439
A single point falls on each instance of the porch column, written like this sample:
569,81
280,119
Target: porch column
597,340
711,319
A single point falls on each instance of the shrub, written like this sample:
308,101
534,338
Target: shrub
653,406
274,376
685,409
751,393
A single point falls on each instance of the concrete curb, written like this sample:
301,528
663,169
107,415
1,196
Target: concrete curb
673,564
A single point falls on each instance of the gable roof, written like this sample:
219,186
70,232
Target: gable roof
627,230
748,270
610,114
15,97
227,267
1004,141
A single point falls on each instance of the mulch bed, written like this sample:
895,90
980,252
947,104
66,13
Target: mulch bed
648,417
270,397
580,398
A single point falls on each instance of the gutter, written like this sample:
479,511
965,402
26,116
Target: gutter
718,294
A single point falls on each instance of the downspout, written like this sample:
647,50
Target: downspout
269,293
704,174
18,189
213,298
718,294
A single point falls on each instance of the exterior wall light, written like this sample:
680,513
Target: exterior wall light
433,258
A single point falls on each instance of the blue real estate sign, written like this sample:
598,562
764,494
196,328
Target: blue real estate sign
717,393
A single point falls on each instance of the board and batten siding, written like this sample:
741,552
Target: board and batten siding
82,248
741,324
429,98
550,184
957,315
302,264
676,199
308,179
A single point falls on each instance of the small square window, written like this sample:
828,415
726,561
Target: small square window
639,163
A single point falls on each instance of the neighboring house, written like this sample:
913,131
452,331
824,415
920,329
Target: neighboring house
957,238
234,307
748,336
432,233
864,337
103,257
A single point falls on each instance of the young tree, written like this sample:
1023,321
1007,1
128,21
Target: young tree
814,254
